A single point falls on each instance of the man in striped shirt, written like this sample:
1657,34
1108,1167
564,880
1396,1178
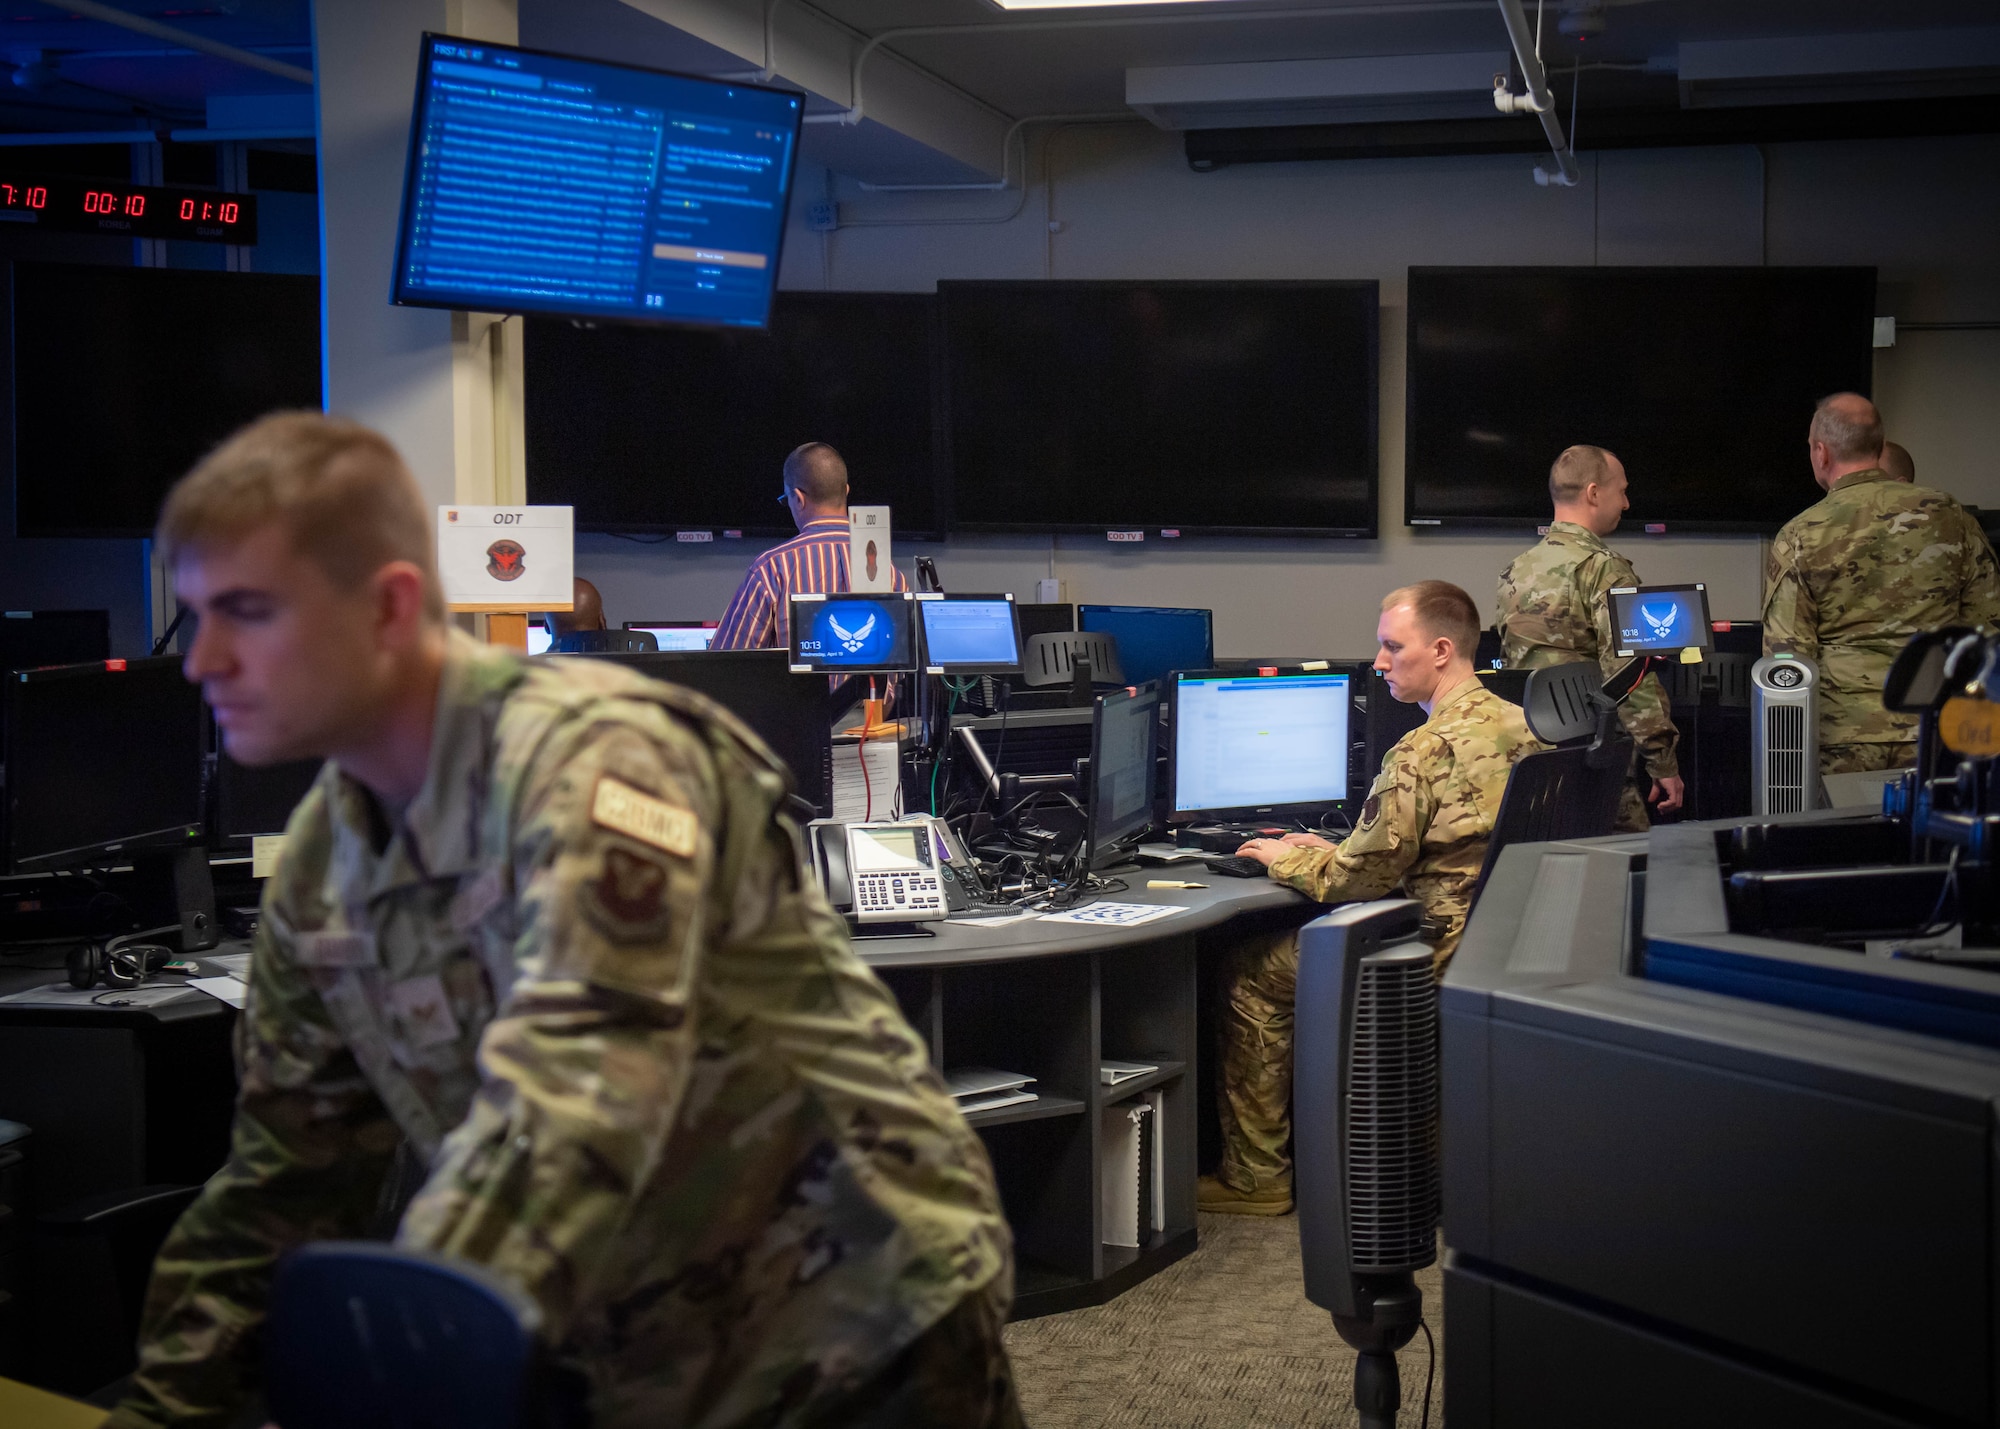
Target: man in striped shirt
813,562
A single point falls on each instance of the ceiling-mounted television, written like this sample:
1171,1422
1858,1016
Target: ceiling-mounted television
676,429
125,377
1701,380
541,183
1186,407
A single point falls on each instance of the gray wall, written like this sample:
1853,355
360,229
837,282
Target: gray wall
1118,201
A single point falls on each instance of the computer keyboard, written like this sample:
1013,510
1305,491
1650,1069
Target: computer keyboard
1236,866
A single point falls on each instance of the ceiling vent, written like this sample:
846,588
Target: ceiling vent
1823,69
1365,90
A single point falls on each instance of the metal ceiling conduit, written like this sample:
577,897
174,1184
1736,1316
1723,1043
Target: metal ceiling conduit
125,19
1537,101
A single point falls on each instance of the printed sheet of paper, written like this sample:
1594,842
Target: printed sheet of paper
507,558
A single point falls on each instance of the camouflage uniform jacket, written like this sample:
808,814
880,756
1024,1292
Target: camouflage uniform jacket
1554,610
1854,576
1428,815
651,1081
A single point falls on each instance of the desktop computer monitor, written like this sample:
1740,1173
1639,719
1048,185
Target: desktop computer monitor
1153,641
29,638
1249,746
540,637
970,634
757,686
1124,740
857,634
104,763
250,801
677,634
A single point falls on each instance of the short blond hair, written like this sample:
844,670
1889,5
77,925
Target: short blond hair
1574,470
340,490
1441,609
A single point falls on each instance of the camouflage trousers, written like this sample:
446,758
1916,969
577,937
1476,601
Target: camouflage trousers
955,1374
1260,980
1865,758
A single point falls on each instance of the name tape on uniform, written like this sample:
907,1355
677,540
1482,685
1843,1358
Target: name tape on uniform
624,810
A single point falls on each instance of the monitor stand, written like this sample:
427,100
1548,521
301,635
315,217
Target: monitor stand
177,883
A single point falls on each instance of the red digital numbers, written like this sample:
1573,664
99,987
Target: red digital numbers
135,205
230,211
38,197
188,207
95,202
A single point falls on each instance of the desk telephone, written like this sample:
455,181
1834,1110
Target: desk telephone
892,872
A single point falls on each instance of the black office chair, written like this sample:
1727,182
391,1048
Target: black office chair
1571,791
1078,658
363,1333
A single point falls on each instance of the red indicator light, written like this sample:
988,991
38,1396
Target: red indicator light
114,664
1267,669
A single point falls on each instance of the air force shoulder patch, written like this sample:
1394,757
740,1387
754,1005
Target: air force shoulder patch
619,807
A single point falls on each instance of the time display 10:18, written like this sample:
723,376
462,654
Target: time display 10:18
131,210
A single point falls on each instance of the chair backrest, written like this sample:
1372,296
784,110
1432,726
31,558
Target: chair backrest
1050,658
1561,701
362,1333
1557,794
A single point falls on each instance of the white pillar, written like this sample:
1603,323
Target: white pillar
449,405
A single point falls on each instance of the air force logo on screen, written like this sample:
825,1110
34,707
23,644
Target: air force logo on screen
1661,622
853,631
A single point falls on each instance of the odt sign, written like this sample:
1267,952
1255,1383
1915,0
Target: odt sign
507,558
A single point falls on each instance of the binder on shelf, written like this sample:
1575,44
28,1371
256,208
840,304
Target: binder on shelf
982,1081
1121,1186
1111,1073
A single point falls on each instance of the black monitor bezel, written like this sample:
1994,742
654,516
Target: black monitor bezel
1700,588
1098,851
166,839
974,667
396,297
1303,812
799,667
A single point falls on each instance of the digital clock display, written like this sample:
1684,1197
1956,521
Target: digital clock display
129,210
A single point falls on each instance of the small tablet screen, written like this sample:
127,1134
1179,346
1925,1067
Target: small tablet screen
1653,618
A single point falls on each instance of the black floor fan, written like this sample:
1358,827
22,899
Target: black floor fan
1365,1093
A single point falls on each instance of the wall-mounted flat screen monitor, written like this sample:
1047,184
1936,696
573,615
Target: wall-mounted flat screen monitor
1153,640
1217,407
1701,380
675,429
969,634
542,183
677,634
1649,619
853,634
126,377
1259,746
104,763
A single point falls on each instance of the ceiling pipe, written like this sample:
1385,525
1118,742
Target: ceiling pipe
125,19
1538,100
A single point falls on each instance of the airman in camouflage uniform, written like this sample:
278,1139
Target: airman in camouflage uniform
1854,576
1424,828
1554,610
580,980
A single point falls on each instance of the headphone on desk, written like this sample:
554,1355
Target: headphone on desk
121,962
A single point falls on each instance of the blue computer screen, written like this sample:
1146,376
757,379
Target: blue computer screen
677,637
970,632
856,633
541,183
1153,640
1260,740
1660,618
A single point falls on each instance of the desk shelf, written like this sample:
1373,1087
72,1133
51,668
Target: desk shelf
1136,1086
1036,1110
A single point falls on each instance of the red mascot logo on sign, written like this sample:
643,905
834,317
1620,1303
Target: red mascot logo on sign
506,560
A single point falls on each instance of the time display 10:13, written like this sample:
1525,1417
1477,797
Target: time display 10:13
129,210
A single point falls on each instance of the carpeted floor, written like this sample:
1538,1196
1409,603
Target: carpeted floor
1225,1339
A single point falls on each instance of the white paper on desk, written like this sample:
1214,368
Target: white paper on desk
856,798
61,994
1114,915
233,991
996,920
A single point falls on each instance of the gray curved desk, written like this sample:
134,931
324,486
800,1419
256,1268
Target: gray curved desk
1052,1000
